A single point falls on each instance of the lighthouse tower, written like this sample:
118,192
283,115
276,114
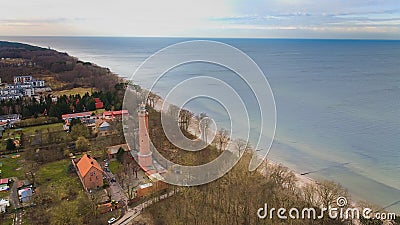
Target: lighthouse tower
144,155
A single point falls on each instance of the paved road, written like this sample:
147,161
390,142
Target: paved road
15,201
117,193
134,212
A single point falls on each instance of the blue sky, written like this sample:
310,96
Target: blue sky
369,19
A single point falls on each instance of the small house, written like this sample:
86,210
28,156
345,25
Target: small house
25,194
90,172
4,203
113,150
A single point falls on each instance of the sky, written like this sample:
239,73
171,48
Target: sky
358,19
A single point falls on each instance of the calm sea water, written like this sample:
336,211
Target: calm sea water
337,101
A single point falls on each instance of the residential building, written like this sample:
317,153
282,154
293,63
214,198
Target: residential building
29,80
89,172
25,194
115,114
113,150
23,86
4,203
76,116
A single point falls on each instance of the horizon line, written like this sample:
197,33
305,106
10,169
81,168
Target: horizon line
204,37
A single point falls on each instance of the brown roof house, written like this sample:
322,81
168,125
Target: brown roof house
89,172
113,150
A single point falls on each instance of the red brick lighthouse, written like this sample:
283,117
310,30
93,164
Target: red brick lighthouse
144,155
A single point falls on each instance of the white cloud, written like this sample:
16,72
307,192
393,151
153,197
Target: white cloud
197,18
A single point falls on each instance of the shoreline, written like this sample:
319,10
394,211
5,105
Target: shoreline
301,180
302,177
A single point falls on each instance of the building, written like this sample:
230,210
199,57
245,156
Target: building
22,79
113,150
25,194
110,115
76,116
9,120
89,172
4,181
23,184
23,86
98,103
4,203
104,126
29,80
145,157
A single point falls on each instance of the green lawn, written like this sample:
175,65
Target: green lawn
43,128
55,176
11,167
11,133
4,194
115,167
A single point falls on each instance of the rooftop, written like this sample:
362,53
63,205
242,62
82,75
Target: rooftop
85,163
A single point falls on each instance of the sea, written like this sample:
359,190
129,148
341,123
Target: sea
337,101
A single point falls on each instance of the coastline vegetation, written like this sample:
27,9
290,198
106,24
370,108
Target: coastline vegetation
60,199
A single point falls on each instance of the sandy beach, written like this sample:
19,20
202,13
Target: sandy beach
302,180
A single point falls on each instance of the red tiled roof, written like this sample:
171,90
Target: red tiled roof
120,112
97,100
99,105
4,181
76,115
116,113
107,113
85,163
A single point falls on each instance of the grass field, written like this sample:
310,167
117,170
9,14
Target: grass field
56,176
11,167
115,167
43,128
74,91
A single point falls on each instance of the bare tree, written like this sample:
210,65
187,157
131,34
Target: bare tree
184,119
152,99
328,192
30,168
242,145
222,139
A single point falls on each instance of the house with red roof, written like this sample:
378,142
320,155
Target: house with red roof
98,103
89,172
76,115
115,114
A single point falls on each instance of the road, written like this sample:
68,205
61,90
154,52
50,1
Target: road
117,192
15,201
134,212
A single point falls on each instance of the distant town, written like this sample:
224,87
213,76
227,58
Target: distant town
23,86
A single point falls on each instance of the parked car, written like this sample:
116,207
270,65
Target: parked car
112,220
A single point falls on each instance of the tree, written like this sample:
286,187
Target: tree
30,169
241,146
222,139
120,154
82,144
184,119
10,144
329,192
79,130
